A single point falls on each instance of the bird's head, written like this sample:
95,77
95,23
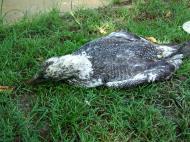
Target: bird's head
63,68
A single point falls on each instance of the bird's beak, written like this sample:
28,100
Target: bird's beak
36,80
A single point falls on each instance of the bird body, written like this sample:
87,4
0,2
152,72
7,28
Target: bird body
119,60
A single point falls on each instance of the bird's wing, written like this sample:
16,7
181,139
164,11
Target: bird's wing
121,62
160,70
133,65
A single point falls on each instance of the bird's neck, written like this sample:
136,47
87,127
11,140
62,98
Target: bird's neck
78,64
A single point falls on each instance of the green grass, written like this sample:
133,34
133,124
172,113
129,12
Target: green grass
116,1
60,112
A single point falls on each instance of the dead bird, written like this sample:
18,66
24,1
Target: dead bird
120,59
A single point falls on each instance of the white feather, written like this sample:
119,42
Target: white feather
166,50
94,83
70,64
137,77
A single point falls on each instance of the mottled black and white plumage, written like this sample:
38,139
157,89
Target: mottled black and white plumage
119,60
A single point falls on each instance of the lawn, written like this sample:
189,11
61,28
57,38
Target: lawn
61,112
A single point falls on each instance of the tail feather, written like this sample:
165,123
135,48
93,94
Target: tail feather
176,60
184,49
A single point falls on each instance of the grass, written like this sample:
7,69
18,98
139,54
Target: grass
60,112
116,1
